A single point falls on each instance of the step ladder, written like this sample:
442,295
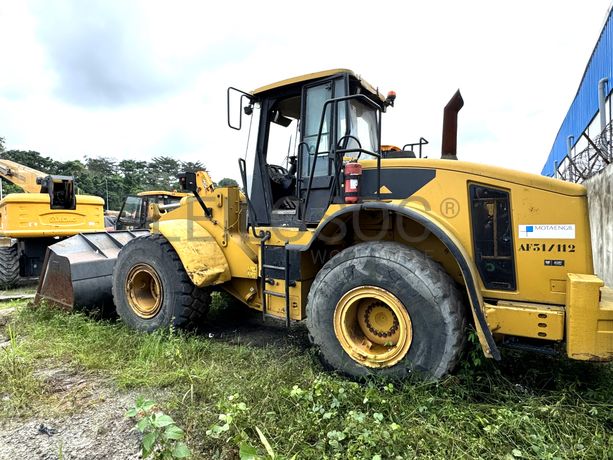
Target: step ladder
265,279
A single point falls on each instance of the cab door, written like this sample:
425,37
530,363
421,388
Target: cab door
320,126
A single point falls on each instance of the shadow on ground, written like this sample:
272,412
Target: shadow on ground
234,323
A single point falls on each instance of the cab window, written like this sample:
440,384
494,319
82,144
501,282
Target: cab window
132,211
363,126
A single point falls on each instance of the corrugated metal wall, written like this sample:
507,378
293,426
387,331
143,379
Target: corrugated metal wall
585,105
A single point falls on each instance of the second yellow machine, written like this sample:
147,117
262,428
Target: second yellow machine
387,256
48,209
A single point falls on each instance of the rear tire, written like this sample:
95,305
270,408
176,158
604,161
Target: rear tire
152,290
381,308
9,266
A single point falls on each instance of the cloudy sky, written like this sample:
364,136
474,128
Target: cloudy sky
136,79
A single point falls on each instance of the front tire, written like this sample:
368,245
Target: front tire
152,290
381,308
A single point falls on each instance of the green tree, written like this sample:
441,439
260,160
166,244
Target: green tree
134,176
102,179
162,173
105,177
107,187
192,166
228,182
82,176
32,159
72,168
101,166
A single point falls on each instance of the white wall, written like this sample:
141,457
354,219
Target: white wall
600,199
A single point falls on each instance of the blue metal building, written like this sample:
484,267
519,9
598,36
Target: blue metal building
585,105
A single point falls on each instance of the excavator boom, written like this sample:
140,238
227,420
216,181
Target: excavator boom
29,179
61,189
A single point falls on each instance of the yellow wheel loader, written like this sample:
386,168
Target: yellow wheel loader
387,256
47,211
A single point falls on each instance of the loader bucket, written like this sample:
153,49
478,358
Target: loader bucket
78,271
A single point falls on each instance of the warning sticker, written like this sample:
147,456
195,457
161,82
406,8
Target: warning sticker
548,231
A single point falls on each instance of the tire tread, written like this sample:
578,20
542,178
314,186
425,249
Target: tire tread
194,301
9,266
442,287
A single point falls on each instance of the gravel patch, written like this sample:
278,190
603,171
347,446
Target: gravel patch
90,425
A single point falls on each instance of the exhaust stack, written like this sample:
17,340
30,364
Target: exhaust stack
450,127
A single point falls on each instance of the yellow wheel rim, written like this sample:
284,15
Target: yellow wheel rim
373,326
144,291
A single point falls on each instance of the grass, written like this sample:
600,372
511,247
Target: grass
222,394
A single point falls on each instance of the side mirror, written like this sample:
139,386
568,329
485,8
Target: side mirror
236,121
187,182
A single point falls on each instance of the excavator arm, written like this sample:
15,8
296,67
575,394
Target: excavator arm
27,178
61,189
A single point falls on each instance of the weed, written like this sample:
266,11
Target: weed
162,438
19,387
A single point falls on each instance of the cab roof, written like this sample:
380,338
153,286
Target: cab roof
316,76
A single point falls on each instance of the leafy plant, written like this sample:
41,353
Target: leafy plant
248,452
162,438
234,423
474,354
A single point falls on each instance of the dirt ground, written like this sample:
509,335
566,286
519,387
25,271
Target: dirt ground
93,427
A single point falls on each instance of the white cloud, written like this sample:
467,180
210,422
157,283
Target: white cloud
518,65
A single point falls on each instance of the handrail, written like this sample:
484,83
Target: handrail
251,217
422,141
335,101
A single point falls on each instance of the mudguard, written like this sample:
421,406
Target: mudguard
200,254
461,255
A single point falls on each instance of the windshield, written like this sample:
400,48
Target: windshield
363,126
132,209
357,127
131,215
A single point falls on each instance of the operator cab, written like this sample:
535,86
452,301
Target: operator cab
308,128
136,212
